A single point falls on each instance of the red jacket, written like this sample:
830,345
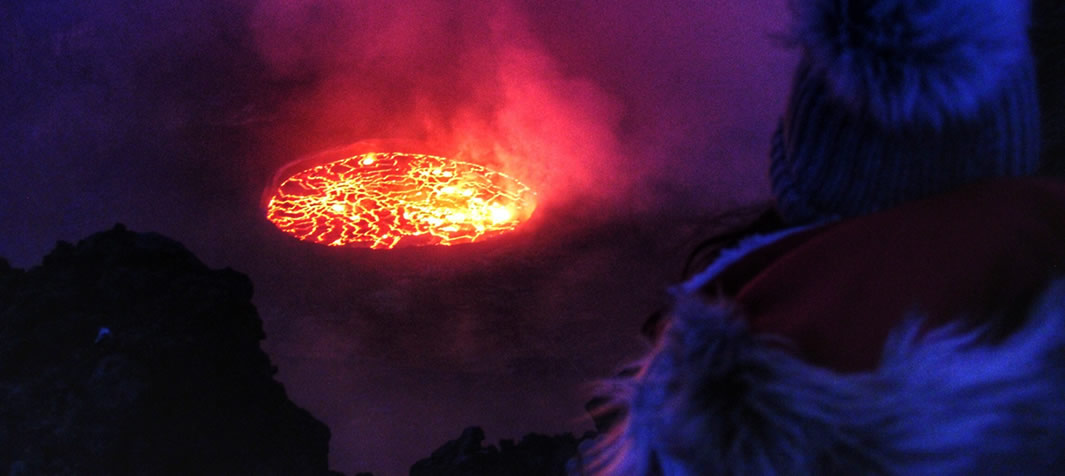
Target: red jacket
855,387
837,291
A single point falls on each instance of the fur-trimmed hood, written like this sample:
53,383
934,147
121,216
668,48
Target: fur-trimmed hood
712,398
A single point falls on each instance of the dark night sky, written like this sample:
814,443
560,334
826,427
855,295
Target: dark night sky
634,121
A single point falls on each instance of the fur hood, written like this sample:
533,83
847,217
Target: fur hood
712,398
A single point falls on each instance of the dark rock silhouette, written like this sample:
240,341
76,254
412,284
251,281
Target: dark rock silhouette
534,455
124,354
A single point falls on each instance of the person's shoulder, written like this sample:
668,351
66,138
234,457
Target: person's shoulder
767,243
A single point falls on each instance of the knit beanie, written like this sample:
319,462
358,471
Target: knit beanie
894,100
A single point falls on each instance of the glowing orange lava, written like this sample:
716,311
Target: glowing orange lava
384,200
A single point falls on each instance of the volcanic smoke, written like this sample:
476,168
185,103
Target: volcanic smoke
385,200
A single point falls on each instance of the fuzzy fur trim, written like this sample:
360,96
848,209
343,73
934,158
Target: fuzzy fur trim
714,399
902,61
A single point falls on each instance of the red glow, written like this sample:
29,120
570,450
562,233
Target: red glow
384,200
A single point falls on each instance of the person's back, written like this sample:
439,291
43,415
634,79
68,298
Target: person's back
896,324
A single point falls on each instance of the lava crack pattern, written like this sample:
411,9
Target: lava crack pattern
385,200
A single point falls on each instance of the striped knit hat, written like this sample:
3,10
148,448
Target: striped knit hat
894,100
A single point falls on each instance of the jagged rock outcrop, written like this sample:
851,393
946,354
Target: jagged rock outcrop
534,455
124,354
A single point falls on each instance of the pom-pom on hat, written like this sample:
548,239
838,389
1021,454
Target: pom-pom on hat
894,100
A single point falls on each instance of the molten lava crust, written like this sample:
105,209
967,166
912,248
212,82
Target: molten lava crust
385,200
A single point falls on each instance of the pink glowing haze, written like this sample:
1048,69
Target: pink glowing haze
579,100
